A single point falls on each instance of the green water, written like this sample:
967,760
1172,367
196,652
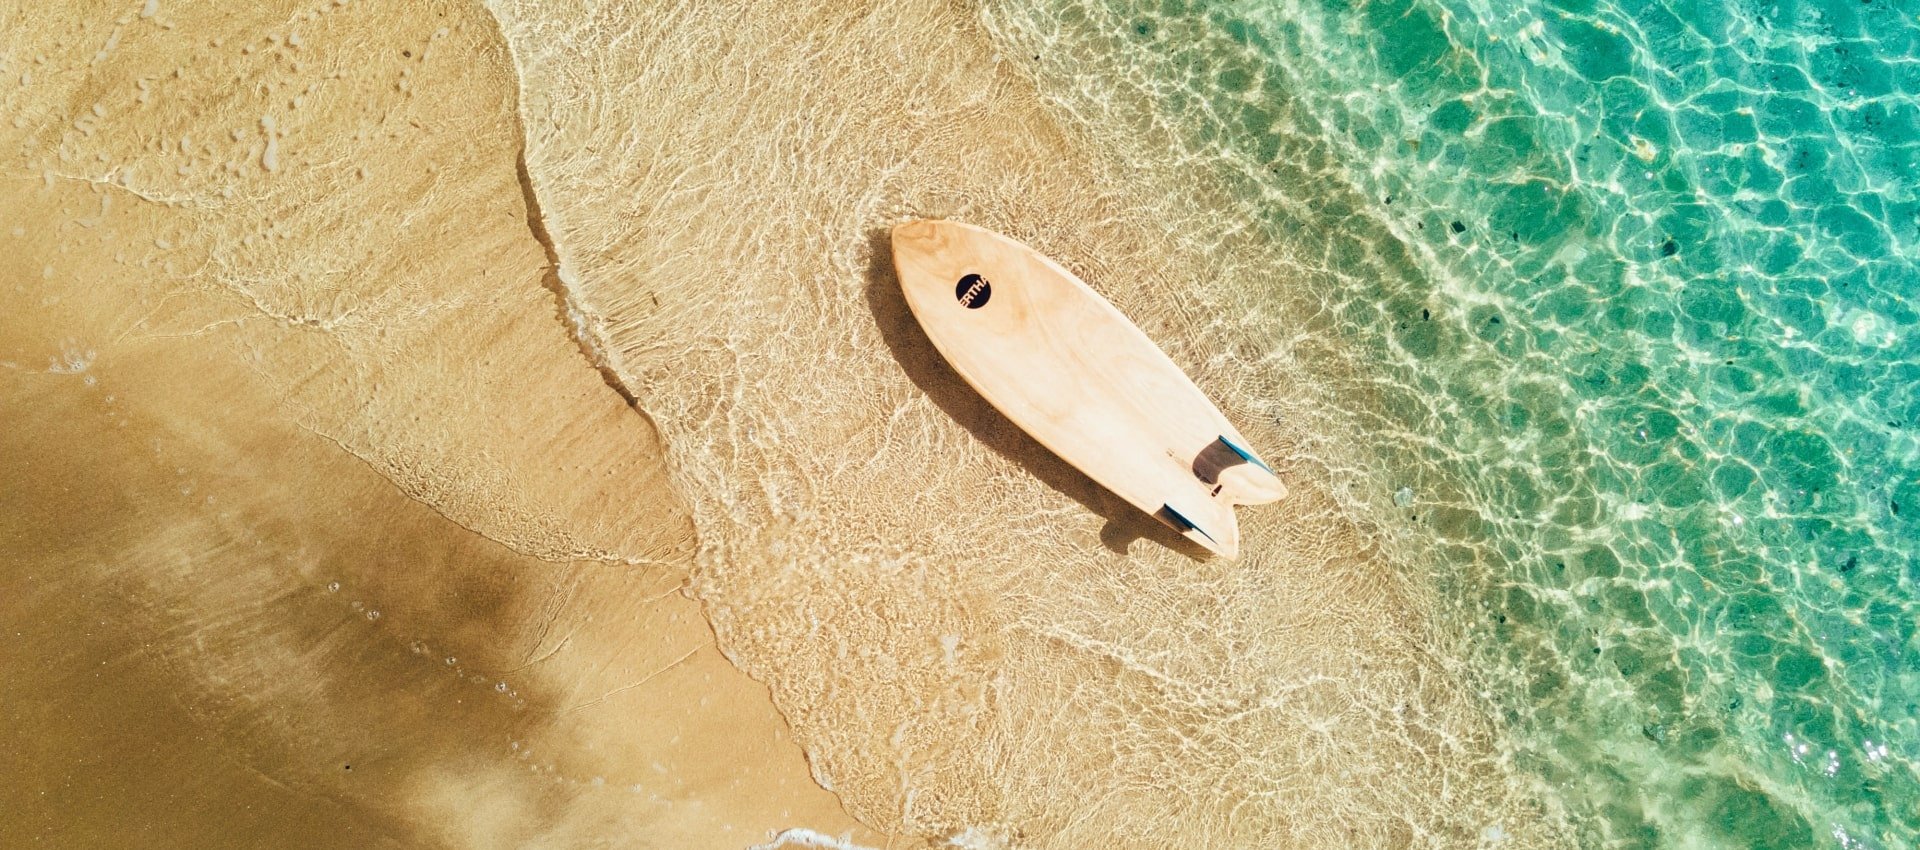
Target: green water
1631,290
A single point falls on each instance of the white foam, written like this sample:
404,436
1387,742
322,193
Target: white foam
73,360
803,837
974,838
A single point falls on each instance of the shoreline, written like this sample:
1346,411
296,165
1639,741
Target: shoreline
303,483
947,674
325,300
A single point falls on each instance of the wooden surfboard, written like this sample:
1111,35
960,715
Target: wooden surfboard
1066,366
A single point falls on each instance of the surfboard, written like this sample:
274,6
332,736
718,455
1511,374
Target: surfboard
1065,365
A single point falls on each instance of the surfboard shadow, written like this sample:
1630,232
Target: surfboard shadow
934,376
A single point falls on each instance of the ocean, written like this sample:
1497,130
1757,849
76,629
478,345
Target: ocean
1625,291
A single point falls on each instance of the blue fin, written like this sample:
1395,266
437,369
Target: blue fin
1185,524
1246,455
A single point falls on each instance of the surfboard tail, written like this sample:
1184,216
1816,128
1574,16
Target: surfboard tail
1237,475
1250,485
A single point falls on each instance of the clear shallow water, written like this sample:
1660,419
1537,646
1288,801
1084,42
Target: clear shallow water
1629,287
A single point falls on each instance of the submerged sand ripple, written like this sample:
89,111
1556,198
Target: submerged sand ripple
308,468
969,638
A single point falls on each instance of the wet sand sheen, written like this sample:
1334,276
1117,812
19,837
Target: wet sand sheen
307,271
318,528
969,638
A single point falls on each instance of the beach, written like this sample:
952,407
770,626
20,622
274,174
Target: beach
500,424
323,258
320,528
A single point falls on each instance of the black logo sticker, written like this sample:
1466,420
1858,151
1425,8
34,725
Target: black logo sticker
973,291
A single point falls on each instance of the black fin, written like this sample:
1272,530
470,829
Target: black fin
1246,454
1180,521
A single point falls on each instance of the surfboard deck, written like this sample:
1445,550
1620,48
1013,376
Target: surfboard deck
1065,365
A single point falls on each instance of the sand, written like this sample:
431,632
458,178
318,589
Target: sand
969,637
375,380
318,527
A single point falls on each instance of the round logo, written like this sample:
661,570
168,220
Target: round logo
973,291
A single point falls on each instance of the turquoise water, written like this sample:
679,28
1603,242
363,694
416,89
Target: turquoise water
1631,287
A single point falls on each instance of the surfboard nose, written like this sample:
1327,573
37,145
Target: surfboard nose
925,258
917,235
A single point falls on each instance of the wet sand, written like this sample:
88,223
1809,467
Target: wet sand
318,528
969,637
510,320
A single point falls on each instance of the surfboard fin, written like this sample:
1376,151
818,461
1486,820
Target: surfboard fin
1226,545
1235,475
1180,522
1245,453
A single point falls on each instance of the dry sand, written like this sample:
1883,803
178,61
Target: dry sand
286,311
317,528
